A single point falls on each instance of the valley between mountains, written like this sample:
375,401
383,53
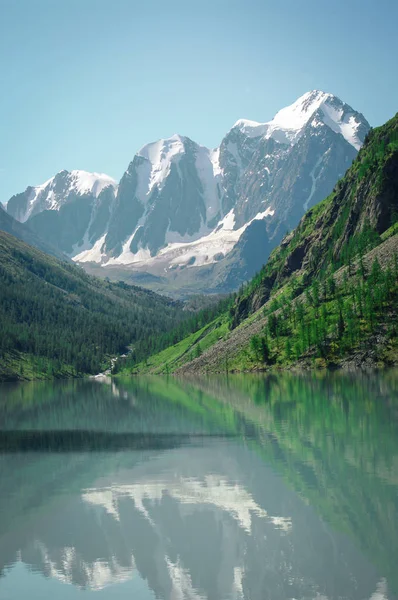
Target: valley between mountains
288,230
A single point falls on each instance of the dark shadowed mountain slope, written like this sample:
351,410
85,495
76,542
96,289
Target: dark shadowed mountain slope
24,233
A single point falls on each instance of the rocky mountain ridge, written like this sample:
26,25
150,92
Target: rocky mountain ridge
180,209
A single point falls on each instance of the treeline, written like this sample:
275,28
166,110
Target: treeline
62,316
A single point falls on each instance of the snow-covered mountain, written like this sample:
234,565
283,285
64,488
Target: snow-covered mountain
191,217
317,107
71,209
58,191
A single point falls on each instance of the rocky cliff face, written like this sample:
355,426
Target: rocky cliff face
187,213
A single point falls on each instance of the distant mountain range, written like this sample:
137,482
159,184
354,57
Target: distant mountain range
185,218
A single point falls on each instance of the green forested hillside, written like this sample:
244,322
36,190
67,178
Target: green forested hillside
55,320
153,344
328,294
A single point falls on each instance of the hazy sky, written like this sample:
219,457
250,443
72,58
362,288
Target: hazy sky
85,83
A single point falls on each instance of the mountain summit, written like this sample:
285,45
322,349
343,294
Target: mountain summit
188,218
316,108
72,208
64,187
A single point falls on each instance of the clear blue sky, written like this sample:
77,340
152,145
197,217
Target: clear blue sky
85,83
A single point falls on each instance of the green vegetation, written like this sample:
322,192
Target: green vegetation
57,321
390,231
173,357
27,367
330,321
198,323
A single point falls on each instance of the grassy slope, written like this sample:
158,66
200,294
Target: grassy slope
15,365
185,351
336,238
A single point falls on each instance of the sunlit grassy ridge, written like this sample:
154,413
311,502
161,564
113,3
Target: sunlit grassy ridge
179,354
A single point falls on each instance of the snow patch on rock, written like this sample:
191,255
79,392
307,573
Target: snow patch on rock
210,248
94,254
313,182
160,155
209,173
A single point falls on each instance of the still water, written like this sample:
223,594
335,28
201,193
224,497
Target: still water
247,487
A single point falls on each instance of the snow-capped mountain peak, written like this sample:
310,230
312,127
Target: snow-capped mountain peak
289,123
298,114
163,148
58,190
330,111
342,119
82,182
251,128
161,154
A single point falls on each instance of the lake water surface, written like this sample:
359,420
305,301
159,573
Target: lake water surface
240,487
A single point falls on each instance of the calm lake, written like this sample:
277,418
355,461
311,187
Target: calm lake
240,487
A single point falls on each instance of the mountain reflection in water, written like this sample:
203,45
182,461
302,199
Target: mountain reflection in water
244,487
